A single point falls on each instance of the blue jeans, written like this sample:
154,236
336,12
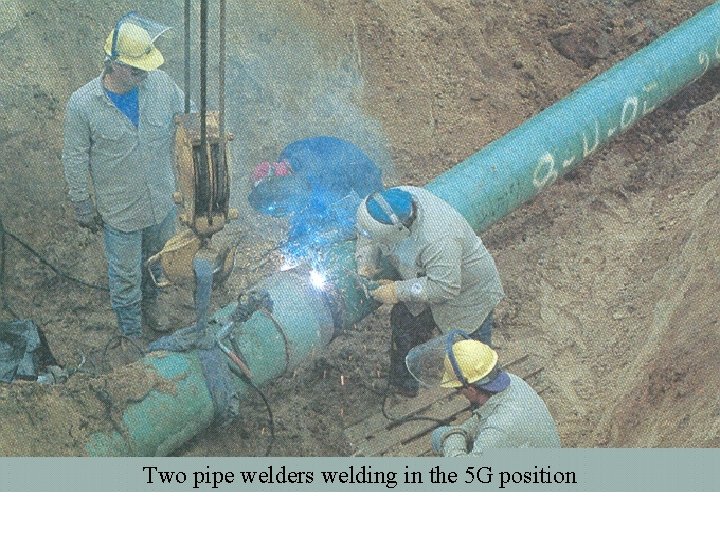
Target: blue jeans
130,285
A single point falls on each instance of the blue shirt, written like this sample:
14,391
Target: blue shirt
128,104
340,175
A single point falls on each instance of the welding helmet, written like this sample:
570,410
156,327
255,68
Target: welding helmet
383,216
449,363
277,191
132,42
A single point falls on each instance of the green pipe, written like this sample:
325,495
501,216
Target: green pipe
484,188
300,325
513,169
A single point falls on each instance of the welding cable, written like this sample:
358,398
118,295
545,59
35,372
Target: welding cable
408,417
271,420
236,370
281,331
385,394
47,263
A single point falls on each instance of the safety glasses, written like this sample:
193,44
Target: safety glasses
134,71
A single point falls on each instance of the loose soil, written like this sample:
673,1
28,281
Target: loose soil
611,273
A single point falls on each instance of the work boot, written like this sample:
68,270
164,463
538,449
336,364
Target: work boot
156,318
400,379
401,382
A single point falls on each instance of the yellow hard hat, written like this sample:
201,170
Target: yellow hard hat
134,47
473,358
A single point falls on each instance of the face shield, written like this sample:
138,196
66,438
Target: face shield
345,209
280,196
454,360
132,42
426,362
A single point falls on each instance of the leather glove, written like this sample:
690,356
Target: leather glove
386,293
86,215
367,271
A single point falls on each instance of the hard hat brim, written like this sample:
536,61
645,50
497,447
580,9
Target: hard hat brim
498,384
147,62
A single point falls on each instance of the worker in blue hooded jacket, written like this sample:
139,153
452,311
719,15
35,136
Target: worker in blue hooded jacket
317,183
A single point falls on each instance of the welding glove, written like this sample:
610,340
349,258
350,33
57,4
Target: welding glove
453,436
367,271
386,293
86,215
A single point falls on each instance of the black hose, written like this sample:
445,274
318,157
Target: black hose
412,417
238,372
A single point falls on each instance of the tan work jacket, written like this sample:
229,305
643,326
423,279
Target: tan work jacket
517,417
443,264
131,168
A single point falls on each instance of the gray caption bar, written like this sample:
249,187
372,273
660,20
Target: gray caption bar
500,470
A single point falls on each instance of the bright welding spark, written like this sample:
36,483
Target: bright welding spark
317,279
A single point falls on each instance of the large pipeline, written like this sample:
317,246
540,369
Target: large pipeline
484,188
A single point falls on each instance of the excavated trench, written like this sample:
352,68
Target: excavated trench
611,274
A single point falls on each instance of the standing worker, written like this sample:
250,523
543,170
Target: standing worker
507,413
448,278
119,132
318,183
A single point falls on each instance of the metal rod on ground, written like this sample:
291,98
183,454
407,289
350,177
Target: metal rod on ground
484,188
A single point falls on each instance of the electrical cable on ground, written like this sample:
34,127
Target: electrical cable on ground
244,376
47,263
